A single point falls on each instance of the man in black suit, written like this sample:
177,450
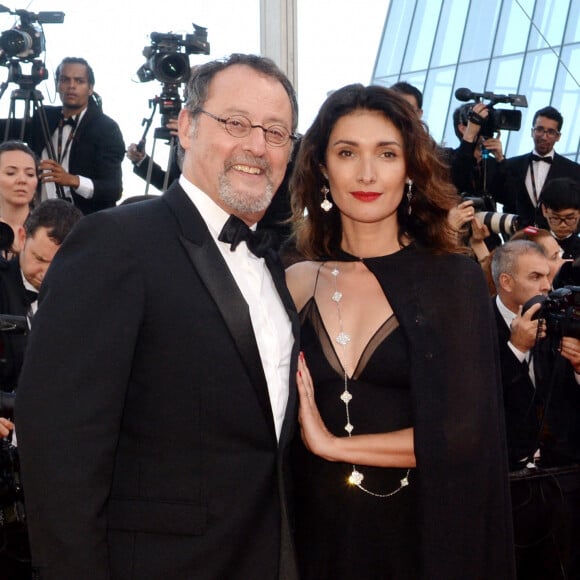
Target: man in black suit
526,175
20,278
541,384
88,145
159,448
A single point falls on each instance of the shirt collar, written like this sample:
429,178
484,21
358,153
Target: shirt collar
505,312
550,154
27,284
213,215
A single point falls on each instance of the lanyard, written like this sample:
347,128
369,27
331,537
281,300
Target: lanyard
60,153
533,180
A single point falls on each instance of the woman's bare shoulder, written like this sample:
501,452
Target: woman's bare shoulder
301,281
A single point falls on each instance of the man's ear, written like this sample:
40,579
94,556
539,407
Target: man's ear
19,239
544,213
506,282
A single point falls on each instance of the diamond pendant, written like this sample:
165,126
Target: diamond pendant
348,428
346,397
356,477
343,338
337,296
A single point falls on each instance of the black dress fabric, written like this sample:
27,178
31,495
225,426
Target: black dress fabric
441,365
343,532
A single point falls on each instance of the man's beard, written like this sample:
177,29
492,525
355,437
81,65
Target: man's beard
245,202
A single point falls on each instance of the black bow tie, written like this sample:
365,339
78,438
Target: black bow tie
31,296
547,159
72,121
236,231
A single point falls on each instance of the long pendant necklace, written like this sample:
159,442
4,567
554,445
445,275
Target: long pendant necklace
356,477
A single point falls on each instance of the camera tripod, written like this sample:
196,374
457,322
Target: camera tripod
32,99
160,133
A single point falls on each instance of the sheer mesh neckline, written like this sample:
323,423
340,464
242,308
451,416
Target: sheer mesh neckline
312,312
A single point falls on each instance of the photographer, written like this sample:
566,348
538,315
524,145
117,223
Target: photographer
20,279
476,165
88,144
141,162
527,175
541,385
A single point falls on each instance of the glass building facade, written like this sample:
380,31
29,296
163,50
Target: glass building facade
508,47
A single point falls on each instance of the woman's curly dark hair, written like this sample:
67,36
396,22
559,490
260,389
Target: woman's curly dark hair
319,233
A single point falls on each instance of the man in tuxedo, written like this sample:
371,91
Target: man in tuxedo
158,448
526,175
541,385
87,146
20,278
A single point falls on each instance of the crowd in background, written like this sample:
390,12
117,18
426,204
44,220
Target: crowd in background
518,218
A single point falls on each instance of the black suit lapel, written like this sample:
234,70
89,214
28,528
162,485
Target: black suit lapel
216,276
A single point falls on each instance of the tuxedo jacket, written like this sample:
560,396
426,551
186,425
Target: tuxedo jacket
521,402
96,152
555,396
14,302
145,430
515,197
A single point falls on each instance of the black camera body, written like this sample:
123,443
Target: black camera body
561,311
168,56
25,42
497,119
168,62
508,119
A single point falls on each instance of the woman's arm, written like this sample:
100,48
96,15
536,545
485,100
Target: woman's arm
393,449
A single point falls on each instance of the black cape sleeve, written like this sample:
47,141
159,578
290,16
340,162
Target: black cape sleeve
443,306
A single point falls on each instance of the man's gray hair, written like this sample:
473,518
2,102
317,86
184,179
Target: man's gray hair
505,257
200,79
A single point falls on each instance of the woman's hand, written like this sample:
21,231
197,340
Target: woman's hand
317,438
461,215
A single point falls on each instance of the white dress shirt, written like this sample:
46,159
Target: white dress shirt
86,187
270,321
541,169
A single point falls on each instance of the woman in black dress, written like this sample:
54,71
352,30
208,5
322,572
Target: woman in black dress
402,471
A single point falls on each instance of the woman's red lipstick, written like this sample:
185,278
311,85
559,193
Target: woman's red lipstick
365,195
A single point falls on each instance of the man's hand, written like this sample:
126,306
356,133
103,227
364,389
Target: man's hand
472,129
52,172
570,349
494,146
134,154
5,427
525,331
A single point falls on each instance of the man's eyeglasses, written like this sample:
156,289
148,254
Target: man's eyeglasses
541,131
240,126
569,220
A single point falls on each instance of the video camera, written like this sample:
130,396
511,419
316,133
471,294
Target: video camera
508,119
25,42
561,311
168,62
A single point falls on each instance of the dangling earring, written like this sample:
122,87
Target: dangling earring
326,204
409,194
